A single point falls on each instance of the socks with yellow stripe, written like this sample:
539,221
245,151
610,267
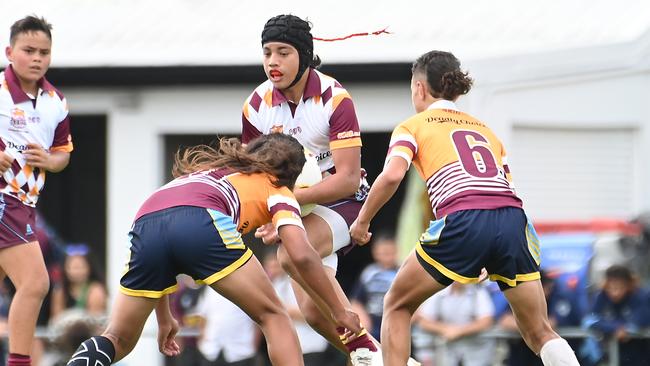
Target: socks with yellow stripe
363,341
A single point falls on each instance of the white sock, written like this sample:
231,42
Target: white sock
557,352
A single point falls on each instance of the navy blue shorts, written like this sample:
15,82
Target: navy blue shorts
457,246
199,242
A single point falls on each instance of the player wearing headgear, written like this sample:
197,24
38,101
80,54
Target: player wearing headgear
479,218
315,109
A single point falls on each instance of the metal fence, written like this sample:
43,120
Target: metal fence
439,345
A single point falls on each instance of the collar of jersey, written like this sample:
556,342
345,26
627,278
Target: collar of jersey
312,89
443,104
17,93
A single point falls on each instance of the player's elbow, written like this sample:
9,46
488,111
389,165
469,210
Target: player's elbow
305,261
350,184
392,177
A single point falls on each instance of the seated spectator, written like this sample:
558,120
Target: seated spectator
455,314
620,311
368,295
563,311
81,287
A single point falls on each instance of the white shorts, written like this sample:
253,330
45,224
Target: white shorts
340,233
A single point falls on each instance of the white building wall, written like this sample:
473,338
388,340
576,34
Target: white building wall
138,119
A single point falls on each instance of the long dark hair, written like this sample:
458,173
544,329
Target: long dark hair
277,154
444,76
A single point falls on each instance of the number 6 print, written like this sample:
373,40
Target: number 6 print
475,156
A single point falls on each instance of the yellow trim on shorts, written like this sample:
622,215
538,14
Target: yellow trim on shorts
442,269
228,270
148,293
518,278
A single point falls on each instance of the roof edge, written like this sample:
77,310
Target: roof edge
111,76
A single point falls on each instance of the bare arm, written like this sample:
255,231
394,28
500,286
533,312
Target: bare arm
167,328
342,184
309,265
382,190
476,326
53,161
358,308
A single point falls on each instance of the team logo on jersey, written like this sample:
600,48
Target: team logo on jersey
294,131
18,119
28,230
276,129
348,134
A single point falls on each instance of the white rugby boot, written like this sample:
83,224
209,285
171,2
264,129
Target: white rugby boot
366,357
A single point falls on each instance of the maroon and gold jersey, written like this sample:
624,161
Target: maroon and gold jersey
251,200
461,160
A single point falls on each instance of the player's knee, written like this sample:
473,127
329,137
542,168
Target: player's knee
535,336
35,288
271,314
97,351
312,314
393,302
285,261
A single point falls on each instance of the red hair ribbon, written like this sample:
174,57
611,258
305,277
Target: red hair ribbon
375,33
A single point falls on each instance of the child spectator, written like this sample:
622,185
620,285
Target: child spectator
375,280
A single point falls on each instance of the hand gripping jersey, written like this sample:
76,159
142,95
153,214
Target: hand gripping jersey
462,162
322,120
251,200
23,120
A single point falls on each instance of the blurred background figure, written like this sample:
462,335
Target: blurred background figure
314,347
621,310
228,335
368,295
81,287
564,310
454,315
77,302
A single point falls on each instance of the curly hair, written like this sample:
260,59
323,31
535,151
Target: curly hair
443,73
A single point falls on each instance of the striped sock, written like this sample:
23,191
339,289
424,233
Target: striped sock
363,341
16,359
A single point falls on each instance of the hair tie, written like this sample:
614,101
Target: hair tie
375,33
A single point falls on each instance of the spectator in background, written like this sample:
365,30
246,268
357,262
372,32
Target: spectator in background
313,345
455,314
81,286
563,311
375,280
620,310
228,334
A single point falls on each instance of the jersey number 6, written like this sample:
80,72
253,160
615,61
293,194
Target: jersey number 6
475,156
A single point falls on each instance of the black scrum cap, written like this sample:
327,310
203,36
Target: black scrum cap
294,31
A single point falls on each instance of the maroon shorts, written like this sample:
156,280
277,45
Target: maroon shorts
17,222
347,208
